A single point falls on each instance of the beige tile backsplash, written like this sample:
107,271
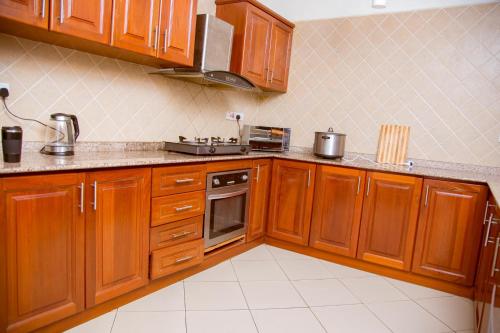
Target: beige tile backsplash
437,71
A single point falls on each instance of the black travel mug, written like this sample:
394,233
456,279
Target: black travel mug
12,142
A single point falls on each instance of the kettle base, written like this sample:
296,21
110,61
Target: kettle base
57,153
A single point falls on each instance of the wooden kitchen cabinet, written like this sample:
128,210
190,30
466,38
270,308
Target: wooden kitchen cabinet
259,200
177,31
117,232
42,241
262,43
292,191
389,219
449,231
87,19
337,210
32,12
135,25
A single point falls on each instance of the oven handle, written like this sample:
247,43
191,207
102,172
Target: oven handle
226,195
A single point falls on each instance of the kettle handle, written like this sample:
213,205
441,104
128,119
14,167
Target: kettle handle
75,126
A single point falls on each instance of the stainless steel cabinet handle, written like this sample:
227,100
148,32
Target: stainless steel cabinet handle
82,197
488,228
184,259
43,9
184,208
309,178
165,41
486,212
426,196
359,185
258,173
184,181
156,32
494,268
94,204
368,186
181,234
61,13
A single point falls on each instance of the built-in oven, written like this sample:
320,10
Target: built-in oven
226,212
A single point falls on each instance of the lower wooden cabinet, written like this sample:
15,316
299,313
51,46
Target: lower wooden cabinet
389,219
117,233
449,231
41,250
32,12
176,258
338,202
292,191
259,200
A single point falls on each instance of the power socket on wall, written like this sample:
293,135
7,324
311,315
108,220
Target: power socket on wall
5,85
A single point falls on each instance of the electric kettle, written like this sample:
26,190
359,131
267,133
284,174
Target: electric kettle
61,133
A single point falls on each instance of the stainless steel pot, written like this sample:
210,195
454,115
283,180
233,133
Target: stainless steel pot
329,144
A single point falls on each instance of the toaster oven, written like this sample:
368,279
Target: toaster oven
264,138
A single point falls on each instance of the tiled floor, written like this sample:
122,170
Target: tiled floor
270,290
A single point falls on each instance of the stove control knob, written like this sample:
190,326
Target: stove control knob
216,181
212,150
244,178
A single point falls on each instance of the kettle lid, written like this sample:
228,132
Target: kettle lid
60,116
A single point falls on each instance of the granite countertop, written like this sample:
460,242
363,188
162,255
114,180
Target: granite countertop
33,162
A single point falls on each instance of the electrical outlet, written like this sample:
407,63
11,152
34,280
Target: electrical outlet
232,115
4,85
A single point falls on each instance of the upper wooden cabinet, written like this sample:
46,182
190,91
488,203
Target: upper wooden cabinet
389,219
262,43
88,19
338,201
177,31
449,230
135,25
259,200
292,191
32,12
117,243
42,241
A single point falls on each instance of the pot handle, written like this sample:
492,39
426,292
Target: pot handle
330,129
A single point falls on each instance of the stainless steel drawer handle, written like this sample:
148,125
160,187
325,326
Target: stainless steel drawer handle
494,268
426,196
359,185
94,204
61,17
82,197
183,259
368,186
184,208
258,173
181,234
184,181
488,229
43,9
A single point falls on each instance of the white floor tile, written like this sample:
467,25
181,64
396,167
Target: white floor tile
340,271
415,291
101,324
170,298
271,294
455,312
325,292
280,254
407,317
221,272
373,289
228,321
287,321
257,253
304,269
214,296
349,319
150,322
258,271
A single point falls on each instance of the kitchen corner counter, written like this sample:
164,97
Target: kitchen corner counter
34,162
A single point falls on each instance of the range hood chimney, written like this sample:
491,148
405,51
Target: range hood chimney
212,56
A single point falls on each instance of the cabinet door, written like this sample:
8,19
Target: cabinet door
135,25
259,199
117,233
449,231
177,31
42,252
255,65
292,191
88,19
337,210
32,12
279,58
389,220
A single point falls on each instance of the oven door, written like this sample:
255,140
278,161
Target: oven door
226,215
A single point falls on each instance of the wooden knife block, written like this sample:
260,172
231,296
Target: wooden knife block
393,144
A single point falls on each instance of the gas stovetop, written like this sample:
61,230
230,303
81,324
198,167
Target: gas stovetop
205,146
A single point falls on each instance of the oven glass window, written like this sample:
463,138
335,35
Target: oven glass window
227,215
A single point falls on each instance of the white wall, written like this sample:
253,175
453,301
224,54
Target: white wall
302,10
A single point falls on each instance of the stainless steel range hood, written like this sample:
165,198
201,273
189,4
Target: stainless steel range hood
212,56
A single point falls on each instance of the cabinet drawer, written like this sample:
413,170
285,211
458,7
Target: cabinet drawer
176,258
176,232
177,207
172,180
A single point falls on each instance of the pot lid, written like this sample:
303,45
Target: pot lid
331,132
